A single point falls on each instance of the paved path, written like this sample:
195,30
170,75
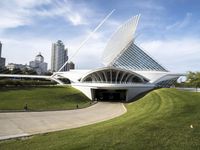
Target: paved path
28,123
190,89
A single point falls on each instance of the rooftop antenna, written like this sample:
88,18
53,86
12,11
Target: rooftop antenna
88,37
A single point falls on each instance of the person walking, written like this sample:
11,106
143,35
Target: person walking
26,107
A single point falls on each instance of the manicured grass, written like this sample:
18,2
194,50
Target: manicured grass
42,98
160,120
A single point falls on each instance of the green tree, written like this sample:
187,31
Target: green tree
193,78
29,71
4,71
16,71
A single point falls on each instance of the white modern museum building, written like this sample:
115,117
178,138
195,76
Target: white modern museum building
128,70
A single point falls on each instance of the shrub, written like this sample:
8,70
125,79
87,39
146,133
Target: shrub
16,83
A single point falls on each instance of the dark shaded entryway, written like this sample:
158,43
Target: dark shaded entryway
109,95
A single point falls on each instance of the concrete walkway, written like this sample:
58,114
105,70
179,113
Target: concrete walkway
21,124
189,89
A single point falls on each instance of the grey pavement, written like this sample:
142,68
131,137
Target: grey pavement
189,89
21,124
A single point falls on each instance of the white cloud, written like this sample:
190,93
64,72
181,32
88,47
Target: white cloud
177,55
16,13
71,12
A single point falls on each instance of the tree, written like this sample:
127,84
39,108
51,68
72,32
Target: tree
48,73
16,71
193,78
29,71
4,71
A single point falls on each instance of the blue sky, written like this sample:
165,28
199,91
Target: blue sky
168,30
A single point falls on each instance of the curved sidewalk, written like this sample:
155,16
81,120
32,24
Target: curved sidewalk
28,123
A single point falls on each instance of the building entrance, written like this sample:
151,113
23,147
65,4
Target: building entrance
109,95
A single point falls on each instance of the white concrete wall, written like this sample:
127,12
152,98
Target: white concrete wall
85,90
132,91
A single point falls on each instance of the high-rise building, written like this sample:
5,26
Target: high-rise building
0,48
2,60
38,64
70,66
58,56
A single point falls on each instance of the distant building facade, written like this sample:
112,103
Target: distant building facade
70,66
59,55
12,66
2,60
38,64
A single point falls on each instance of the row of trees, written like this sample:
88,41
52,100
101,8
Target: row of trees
25,71
18,71
193,80
24,83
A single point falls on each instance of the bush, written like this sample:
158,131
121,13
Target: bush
22,83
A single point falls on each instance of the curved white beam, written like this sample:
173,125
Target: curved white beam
89,36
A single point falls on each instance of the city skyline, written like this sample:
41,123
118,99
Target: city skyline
168,32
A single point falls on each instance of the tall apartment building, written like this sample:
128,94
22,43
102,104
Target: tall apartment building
59,55
2,60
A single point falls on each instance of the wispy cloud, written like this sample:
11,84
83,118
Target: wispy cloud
16,13
149,5
77,14
182,23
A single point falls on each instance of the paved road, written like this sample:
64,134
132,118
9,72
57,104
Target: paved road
28,123
190,89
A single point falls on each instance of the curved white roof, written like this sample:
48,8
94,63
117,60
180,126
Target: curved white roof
113,68
119,40
157,76
152,76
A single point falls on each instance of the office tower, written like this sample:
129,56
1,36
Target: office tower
58,56
2,60
0,48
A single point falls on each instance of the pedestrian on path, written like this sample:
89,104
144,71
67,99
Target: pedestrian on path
26,107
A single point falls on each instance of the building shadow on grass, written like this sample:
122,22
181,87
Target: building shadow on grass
141,95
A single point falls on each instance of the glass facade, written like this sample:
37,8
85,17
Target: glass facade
136,59
167,83
58,56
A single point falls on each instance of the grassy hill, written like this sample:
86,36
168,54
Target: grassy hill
42,98
160,120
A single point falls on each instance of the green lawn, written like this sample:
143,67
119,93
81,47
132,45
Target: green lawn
160,120
42,98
